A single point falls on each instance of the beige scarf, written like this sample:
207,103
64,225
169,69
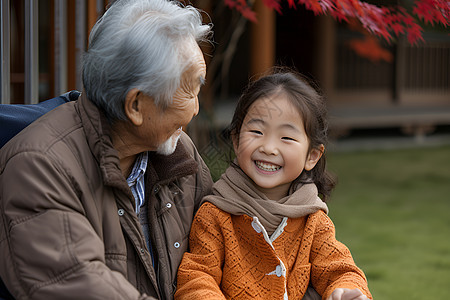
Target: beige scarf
236,194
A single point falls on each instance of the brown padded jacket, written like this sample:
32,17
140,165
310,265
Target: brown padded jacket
68,227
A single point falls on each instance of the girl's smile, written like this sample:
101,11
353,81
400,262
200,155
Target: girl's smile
266,167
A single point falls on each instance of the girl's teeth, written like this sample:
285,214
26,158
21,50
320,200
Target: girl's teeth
267,167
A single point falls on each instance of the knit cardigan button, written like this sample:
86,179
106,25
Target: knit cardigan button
256,227
279,271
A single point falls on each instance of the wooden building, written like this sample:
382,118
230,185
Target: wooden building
410,92
42,43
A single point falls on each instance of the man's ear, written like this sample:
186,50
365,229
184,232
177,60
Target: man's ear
313,157
133,107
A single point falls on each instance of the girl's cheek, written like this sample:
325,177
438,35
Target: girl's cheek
244,141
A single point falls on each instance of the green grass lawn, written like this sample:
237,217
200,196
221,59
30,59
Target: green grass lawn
392,209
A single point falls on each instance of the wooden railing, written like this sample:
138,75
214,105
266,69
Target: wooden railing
68,23
422,70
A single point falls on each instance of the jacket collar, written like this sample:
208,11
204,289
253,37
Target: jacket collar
97,129
170,167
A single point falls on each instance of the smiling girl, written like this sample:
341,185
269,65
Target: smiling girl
265,233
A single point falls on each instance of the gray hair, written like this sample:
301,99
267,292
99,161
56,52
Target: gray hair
140,44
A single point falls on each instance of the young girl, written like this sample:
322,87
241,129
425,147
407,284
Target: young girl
265,233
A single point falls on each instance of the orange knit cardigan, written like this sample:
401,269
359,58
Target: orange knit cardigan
231,257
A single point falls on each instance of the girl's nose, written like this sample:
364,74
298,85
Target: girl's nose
269,148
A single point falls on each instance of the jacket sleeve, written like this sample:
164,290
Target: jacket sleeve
49,250
200,272
332,265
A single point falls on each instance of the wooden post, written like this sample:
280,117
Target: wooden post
71,32
325,55
5,44
60,46
31,52
263,39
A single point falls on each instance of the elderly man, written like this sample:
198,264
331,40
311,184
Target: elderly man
97,196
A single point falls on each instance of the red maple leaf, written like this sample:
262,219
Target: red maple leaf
273,4
291,3
398,28
414,34
230,3
248,14
408,20
431,11
381,21
370,48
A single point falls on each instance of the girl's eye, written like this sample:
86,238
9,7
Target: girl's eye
286,138
256,131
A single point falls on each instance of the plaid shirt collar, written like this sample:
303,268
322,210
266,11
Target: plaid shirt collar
136,179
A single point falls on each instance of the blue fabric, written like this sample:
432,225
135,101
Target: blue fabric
136,180
4,293
15,117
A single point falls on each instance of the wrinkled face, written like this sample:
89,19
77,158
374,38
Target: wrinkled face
165,126
273,146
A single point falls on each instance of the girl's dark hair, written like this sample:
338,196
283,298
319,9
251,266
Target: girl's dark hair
310,105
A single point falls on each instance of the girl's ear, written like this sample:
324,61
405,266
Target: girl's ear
133,107
313,157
